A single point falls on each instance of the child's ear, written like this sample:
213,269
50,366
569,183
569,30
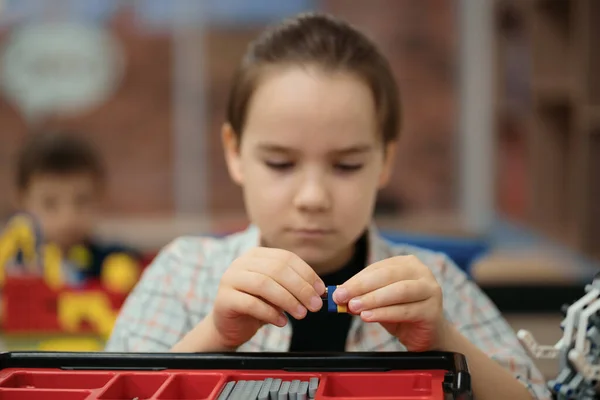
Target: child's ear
388,164
231,147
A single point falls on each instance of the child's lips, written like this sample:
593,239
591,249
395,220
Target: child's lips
312,232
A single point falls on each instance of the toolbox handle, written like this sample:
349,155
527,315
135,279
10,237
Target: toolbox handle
449,361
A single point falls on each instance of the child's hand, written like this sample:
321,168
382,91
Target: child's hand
403,295
257,288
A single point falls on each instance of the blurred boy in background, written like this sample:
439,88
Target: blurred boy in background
60,182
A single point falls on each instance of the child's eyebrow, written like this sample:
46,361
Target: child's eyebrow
274,148
361,148
356,149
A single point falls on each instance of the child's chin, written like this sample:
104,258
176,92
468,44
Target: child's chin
313,252
319,258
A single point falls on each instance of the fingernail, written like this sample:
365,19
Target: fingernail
366,314
340,295
300,312
319,287
281,321
315,303
355,305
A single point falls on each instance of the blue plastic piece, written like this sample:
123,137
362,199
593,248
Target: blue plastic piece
331,305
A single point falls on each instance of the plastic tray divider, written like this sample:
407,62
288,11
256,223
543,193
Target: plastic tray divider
163,387
214,395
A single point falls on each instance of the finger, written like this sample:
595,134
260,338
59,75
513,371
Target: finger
294,261
407,260
265,287
279,309
410,312
399,292
246,304
308,274
376,276
289,278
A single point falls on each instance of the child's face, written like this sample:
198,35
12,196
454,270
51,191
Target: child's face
66,206
310,163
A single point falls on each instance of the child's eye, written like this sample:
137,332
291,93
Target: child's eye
280,166
348,167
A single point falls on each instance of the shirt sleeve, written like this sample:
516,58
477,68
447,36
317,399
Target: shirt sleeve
154,316
480,321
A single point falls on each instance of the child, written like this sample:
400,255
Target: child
310,136
60,182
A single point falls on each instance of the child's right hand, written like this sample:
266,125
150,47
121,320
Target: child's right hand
257,288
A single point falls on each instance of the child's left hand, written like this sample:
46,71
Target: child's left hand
403,295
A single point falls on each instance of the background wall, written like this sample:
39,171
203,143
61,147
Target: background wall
135,129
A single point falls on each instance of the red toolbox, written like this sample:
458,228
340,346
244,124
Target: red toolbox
214,376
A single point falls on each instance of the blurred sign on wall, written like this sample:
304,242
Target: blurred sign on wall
63,68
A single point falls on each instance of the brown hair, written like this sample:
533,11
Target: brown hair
61,153
331,44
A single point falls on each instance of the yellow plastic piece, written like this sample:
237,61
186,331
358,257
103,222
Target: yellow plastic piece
7,251
81,256
19,234
53,273
24,235
120,272
93,307
71,344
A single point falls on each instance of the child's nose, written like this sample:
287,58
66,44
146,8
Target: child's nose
313,195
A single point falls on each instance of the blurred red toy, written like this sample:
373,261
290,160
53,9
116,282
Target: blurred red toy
38,296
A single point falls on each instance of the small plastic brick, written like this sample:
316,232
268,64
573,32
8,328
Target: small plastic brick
255,390
331,305
284,390
248,387
313,385
227,389
238,390
302,390
294,389
274,389
264,390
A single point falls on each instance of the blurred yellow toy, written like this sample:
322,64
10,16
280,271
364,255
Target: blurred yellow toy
120,272
23,252
21,247
52,265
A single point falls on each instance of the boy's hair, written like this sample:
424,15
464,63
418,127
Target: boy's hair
324,41
61,153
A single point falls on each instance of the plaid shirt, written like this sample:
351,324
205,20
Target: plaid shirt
178,290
